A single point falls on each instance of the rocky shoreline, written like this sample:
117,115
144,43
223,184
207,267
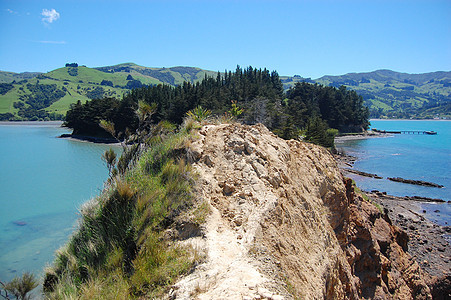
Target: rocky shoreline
91,139
428,243
415,182
375,176
346,161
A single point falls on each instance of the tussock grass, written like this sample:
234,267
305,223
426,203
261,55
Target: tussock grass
119,250
366,198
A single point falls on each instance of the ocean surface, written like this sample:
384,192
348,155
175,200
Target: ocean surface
43,182
420,157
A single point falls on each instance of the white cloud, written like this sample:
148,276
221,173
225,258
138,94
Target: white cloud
11,11
49,16
53,42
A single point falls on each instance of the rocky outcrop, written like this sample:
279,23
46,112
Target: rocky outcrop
284,224
415,182
376,250
375,176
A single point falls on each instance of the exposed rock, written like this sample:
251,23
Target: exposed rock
425,241
416,182
424,199
441,288
363,173
284,224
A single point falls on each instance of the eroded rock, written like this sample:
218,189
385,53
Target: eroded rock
282,215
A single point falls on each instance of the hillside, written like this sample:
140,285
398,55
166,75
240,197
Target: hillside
394,95
234,212
36,96
8,77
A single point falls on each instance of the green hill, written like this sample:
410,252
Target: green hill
8,77
395,95
36,96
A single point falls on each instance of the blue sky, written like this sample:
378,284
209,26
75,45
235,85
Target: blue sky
308,38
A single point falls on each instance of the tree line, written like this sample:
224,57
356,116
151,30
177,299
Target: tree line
258,92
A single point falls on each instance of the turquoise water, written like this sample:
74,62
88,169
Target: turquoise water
43,182
419,157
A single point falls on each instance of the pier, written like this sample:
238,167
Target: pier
405,131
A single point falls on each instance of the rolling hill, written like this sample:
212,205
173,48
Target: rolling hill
42,96
394,95
36,96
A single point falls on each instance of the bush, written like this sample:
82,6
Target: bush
72,71
20,286
119,249
318,132
5,87
199,114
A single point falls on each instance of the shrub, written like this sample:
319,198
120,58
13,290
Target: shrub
199,114
318,132
119,250
21,286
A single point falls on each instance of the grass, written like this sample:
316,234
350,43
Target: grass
91,78
396,97
119,250
89,75
366,198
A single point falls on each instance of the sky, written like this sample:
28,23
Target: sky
307,38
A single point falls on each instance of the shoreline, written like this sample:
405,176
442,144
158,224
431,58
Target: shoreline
89,139
32,123
409,120
428,242
67,136
366,135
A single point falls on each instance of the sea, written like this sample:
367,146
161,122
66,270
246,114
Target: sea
43,182
409,156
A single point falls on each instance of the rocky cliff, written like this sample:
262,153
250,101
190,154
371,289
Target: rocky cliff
285,224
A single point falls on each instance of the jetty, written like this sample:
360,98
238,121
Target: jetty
405,131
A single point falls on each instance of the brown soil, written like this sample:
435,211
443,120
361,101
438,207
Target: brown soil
284,224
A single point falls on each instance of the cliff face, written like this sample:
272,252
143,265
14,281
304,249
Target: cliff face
284,223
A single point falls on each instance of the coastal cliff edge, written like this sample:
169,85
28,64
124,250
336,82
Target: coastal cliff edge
285,224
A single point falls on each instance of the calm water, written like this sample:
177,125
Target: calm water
43,182
420,157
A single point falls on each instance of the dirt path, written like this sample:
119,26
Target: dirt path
229,270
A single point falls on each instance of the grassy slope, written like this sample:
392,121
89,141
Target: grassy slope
8,77
88,79
87,75
392,91
386,90
119,250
